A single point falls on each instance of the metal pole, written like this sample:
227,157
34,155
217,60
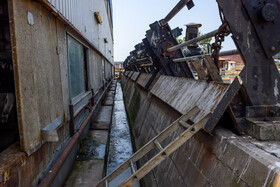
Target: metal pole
174,11
193,41
223,53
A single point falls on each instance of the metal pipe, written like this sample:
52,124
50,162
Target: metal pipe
52,173
229,52
193,41
174,11
222,53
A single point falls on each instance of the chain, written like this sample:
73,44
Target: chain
219,38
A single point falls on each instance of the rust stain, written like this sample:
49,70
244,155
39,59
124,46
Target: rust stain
10,163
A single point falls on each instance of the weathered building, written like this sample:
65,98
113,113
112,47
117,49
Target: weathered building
55,59
118,68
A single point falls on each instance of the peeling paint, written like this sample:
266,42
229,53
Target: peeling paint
30,18
248,38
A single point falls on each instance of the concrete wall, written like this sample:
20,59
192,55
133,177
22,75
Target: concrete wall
39,43
223,159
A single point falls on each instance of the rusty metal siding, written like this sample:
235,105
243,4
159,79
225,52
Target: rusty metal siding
81,15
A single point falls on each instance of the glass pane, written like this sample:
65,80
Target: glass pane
77,67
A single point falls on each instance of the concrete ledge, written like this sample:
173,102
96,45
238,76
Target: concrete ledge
111,94
86,173
109,101
100,136
103,119
88,169
263,130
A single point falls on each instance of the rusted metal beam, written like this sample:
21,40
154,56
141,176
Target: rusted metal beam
222,53
260,75
193,41
179,6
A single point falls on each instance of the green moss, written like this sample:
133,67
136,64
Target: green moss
90,149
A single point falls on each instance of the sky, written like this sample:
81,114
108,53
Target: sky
131,20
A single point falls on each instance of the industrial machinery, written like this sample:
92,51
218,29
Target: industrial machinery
252,97
255,31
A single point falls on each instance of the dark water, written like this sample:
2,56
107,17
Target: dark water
120,148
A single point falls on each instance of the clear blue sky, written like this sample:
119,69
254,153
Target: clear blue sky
132,19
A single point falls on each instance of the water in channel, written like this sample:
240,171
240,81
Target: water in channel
120,148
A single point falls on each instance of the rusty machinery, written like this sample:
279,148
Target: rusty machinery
255,28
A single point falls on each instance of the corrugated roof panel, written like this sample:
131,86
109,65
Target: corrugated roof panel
81,15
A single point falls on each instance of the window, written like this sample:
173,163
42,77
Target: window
77,55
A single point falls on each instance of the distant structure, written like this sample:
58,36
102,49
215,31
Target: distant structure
119,70
230,66
231,62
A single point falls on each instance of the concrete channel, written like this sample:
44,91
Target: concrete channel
106,146
120,147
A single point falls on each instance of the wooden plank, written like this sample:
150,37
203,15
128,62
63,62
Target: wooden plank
132,167
173,146
158,145
223,104
184,124
212,69
175,92
143,79
135,76
202,75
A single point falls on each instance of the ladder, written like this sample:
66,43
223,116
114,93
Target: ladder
184,121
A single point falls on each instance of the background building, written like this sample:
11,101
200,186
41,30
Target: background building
118,68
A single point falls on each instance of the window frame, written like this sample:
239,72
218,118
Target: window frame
75,100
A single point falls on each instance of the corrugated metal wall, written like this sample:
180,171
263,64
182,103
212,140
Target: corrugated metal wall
68,9
81,15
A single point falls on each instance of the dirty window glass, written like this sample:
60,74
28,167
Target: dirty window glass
77,67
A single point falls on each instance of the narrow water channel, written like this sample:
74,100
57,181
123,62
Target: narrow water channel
120,148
